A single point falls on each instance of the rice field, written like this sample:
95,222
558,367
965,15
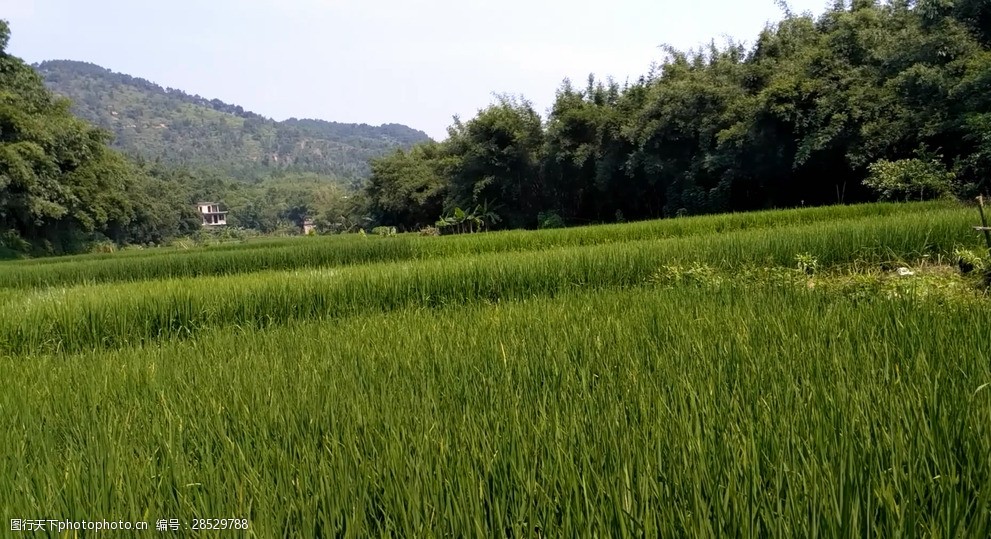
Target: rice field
309,252
746,375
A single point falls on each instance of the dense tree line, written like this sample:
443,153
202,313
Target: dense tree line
869,100
58,179
894,94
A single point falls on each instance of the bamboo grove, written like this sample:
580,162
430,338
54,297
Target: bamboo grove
891,93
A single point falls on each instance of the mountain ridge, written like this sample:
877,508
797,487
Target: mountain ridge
153,122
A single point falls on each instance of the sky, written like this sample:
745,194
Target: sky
413,62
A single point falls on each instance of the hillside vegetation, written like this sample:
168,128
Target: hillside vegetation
64,188
176,128
867,101
814,373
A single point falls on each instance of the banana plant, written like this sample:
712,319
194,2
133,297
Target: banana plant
461,221
486,216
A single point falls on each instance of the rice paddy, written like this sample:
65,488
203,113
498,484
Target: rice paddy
765,374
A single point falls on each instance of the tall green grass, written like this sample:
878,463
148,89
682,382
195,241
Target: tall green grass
687,411
114,315
351,250
643,380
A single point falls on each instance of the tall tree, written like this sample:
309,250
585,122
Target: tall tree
407,188
499,155
58,179
798,118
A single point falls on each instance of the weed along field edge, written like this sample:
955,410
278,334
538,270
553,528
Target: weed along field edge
819,372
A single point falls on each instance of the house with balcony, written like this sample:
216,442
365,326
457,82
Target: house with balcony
308,227
212,214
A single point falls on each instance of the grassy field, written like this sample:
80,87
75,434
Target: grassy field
748,375
298,253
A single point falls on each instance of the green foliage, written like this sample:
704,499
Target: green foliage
105,246
943,220
555,383
817,110
13,244
175,128
938,284
796,119
571,390
477,220
549,220
910,179
287,201
407,187
59,183
972,260
498,155
384,231
583,165
697,275
63,190
807,263
279,204
442,272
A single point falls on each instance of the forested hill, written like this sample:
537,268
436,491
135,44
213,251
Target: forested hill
181,129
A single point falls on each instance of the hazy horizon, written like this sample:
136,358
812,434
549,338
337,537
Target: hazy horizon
417,64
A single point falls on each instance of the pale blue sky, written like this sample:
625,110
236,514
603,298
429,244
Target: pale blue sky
416,62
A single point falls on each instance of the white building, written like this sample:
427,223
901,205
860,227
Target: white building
212,214
308,227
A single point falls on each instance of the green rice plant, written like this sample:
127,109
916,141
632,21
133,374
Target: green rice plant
327,251
938,284
732,410
114,315
970,260
807,263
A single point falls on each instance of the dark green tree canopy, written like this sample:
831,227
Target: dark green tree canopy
58,178
498,161
797,118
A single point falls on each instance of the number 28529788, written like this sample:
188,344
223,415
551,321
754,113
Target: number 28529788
219,524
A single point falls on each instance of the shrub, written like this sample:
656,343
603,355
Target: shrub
968,261
13,243
549,220
384,231
807,263
105,246
910,179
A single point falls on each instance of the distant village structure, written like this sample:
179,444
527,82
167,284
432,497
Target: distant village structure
309,227
212,214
